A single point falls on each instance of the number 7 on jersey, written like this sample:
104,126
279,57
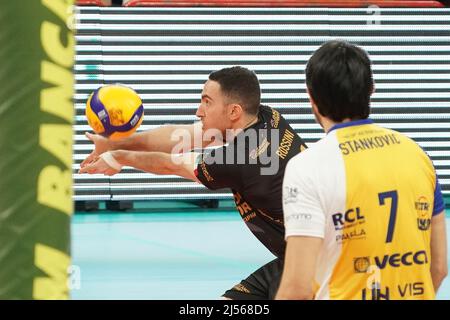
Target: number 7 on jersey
393,213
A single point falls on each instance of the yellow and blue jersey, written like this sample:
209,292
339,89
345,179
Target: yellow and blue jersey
370,193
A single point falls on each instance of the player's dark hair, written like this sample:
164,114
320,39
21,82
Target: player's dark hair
241,86
339,80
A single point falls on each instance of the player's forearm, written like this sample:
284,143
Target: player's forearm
438,274
438,264
157,140
152,162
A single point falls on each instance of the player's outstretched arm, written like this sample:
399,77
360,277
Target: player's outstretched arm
439,268
162,139
167,139
111,162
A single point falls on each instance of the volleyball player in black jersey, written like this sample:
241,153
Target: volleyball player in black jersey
250,147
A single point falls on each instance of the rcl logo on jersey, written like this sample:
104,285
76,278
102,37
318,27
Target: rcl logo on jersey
397,259
350,216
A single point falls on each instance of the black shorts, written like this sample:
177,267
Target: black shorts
260,285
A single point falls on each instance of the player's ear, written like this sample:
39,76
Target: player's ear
235,111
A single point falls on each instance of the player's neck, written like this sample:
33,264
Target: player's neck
242,124
251,120
327,124
245,122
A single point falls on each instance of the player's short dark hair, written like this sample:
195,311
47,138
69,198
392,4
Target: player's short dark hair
339,79
241,86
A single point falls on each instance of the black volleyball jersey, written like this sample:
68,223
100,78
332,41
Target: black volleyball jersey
253,165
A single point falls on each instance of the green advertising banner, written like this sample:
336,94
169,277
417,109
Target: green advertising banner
36,113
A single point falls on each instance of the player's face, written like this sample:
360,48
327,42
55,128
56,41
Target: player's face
212,108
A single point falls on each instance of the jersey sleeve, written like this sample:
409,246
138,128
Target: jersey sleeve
214,172
439,204
303,213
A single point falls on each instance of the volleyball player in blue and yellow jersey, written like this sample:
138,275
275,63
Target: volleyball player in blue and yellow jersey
363,209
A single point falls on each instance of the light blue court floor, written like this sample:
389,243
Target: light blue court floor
193,254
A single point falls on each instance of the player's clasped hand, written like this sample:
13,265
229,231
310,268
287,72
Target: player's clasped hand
98,166
101,145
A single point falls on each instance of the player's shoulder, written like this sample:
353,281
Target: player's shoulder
271,113
411,149
399,135
265,108
406,140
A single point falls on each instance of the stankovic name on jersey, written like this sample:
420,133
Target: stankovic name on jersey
357,145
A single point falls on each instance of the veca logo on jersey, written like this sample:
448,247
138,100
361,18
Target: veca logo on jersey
423,213
395,260
398,259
